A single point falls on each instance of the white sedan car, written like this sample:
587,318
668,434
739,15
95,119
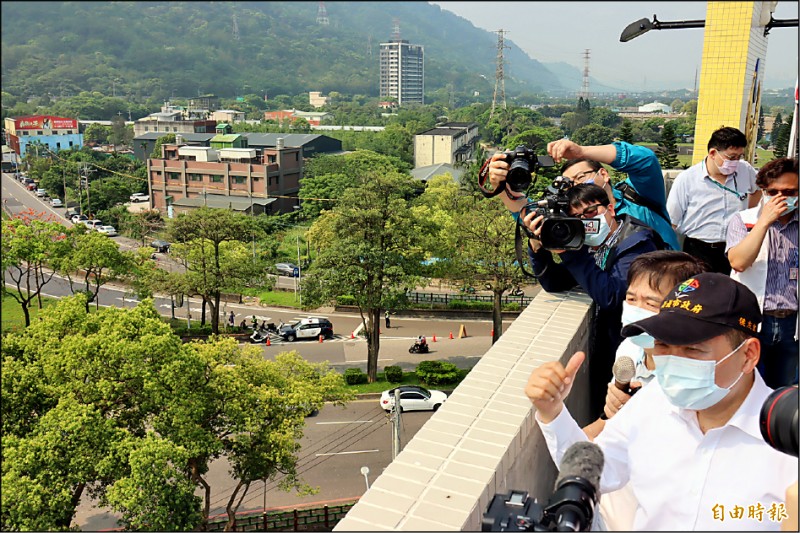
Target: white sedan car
56,202
413,398
107,230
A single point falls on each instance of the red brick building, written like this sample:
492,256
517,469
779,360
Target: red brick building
243,179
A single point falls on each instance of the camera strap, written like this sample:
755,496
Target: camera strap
520,252
630,194
483,175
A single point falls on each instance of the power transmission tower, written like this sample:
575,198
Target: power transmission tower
499,76
235,28
585,85
322,15
369,45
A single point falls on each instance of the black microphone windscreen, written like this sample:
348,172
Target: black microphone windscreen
582,459
624,369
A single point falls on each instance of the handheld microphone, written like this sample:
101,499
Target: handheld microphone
572,504
624,369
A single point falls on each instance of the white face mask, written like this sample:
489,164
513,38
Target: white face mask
690,383
598,237
630,314
729,167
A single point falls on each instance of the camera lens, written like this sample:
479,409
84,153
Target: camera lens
560,232
779,420
519,175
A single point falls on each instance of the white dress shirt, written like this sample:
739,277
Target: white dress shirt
678,475
699,208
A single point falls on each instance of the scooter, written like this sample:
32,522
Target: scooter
418,347
259,335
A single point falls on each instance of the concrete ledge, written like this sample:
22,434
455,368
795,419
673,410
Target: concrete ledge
484,439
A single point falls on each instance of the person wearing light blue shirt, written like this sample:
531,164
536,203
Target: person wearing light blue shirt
704,197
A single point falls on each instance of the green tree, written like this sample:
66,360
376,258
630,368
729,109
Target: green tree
96,134
572,121
689,108
477,237
776,127
781,141
626,132
112,402
30,242
169,138
95,259
207,241
593,135
667,150
604,117
372,250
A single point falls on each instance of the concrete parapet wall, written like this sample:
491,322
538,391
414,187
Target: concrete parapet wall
484,439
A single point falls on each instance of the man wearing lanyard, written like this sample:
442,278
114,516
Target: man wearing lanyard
705,196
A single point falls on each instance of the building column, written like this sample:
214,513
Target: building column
733,67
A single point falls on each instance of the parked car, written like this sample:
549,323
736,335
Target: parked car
287,269
140,197
111,231
92,224
56,202
413,398
41,193
307,328
78,218
160,246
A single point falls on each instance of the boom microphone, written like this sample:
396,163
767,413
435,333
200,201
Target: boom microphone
624,369
573,502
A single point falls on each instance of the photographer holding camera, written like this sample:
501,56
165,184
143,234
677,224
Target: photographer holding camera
689,444
600,266
641,195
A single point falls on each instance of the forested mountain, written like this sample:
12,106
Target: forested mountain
157,50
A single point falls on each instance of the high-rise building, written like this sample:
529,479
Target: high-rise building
402,72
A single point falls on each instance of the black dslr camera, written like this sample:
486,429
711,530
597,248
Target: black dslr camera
522,163
559,230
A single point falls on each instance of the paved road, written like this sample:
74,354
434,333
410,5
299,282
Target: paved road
336,444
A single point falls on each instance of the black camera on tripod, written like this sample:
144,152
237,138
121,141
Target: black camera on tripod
522,163
559,230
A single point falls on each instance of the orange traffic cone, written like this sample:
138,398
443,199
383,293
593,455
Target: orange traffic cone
434,338
320,338
451,334
492,332
268,342
352,336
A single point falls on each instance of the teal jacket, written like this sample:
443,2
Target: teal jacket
644,175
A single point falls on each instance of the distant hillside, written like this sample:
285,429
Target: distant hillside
164,49
571,78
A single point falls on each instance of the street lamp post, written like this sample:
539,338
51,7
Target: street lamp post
365,473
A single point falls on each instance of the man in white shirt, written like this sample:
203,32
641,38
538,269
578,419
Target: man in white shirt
704,197
689,445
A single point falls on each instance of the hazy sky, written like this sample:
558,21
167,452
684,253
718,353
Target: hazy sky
560,31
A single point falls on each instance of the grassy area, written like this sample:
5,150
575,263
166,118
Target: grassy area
13,318
275,298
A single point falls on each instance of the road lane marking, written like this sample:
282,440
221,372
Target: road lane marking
346,453
346,422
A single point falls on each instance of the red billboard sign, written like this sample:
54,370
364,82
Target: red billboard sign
46,122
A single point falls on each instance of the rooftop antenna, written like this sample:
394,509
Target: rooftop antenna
396,29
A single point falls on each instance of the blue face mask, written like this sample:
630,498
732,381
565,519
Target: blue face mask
630,314
791,201
690,383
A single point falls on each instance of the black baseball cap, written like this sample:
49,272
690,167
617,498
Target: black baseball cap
700,308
